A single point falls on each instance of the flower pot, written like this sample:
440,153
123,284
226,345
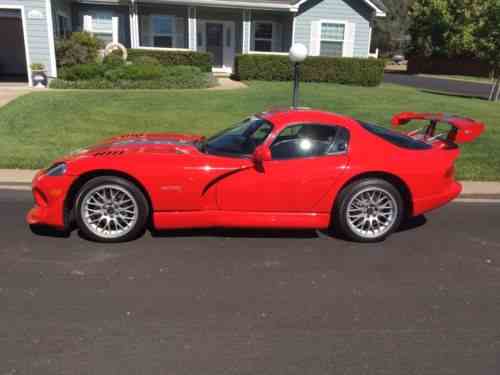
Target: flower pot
39,78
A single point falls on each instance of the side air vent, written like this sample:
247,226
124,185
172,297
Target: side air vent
109,153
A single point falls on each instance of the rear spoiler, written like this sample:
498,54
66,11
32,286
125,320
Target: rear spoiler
463,130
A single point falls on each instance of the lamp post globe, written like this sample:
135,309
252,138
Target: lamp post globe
298,53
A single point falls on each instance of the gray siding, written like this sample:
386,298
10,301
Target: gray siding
37,31
355,11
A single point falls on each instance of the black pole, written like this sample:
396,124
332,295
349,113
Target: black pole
296,81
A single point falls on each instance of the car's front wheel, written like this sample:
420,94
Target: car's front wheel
111,209
368,210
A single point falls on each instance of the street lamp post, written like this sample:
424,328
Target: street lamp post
298,53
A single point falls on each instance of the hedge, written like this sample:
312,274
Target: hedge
350,71
204,80
465,66
200,59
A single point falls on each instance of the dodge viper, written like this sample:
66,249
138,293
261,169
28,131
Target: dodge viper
285,168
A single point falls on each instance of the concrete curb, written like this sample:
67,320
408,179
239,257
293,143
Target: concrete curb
20,179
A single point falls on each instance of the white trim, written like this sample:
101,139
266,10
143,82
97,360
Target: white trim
50,32
116,30
268,53
370,40
229,4
163,49
294,25
246,39
25,37
192,28
378,11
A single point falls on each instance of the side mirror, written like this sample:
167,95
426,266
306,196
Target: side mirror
260,155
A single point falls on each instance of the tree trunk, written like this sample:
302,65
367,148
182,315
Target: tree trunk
497,96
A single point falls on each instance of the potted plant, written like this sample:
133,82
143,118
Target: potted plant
38,75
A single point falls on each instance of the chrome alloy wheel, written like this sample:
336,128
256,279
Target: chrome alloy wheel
109,211
372,212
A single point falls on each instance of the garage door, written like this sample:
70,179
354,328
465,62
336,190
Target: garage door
12,51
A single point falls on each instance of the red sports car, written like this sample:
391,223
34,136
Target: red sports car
292,168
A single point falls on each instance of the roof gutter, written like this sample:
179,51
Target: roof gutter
227,4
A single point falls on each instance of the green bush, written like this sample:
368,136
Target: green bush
200,59
79,48
113,60
352,71
203,80
146,60
82,72
135,72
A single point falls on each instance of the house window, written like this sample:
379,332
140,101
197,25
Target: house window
263,36
163,30
63,25
332,39
102,26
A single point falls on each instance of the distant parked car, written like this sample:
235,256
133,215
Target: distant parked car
398,59
280,169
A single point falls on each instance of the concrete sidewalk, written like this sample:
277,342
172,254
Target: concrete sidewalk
21,178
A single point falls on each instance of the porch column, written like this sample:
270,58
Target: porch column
247,31
134,25
192,29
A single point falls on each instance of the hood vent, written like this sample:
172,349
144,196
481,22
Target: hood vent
109,153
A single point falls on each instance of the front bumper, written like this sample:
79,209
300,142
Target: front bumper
423,205
50,194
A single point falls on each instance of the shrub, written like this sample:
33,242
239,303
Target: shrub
80,48
82,72
200,59
134,72
113,60
146,60
352,71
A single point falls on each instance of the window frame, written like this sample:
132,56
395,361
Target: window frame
331,154
321,39
154,34
255,38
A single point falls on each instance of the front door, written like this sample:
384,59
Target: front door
215,43
220,41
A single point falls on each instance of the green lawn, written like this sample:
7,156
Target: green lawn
39,127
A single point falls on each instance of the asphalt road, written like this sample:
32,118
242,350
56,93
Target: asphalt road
427,301
452,87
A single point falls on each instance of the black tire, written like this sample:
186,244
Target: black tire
340,220
142,208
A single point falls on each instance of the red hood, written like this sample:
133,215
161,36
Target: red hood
144,142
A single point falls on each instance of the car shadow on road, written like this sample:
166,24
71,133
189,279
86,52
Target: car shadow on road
237,233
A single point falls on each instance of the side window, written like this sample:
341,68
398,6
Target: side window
309,140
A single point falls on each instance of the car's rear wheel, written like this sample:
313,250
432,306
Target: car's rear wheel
111,209
368,210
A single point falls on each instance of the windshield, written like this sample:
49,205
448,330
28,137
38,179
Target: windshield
398,139
240,140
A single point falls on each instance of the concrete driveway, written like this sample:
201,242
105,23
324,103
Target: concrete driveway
452,87
10,91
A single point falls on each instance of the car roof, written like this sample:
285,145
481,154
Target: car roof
281,117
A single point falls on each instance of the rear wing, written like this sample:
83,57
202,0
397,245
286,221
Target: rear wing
463,130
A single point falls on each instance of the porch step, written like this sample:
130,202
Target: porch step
222,74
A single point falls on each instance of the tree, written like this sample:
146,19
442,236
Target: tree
390,33
488,40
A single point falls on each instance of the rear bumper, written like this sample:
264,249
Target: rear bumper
49,194
423,205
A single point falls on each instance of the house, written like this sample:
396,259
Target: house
29,28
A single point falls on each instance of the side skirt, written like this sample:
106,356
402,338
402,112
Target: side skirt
237,219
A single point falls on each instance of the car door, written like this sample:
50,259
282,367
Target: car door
306,161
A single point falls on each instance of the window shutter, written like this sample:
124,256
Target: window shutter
252,36
315,41
277,36
115,29
87,23
349,39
